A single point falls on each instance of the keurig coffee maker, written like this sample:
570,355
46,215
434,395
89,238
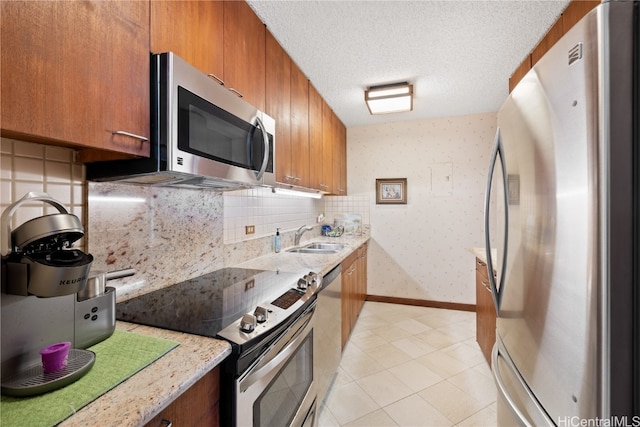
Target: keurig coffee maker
41,278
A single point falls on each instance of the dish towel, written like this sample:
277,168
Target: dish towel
117,358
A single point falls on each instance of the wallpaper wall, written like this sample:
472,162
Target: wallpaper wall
420,250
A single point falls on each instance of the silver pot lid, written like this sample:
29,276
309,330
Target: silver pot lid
47,233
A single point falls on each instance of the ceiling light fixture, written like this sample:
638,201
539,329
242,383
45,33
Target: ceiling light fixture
391,98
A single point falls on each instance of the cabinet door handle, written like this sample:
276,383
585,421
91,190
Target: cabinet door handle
324,186
482,264
166,423
486,286
216,78
132,135
240,95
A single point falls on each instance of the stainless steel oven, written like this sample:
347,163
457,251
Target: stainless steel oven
278,389
268,318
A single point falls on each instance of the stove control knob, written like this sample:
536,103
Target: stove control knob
313,278
261,314
248,323
303,283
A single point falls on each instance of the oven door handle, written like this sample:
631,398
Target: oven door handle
280,350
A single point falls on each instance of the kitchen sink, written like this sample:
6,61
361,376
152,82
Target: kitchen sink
318,248
326,246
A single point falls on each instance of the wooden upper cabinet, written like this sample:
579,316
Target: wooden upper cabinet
571,15
193,30
575,11
336,136
287,101
329,147
317,179
332,144
340,159
244,53
519,73
299,126
553,35
76,73
278,103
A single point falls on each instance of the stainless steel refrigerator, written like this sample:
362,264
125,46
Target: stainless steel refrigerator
562,220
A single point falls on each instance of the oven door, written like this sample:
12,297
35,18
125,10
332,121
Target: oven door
278,390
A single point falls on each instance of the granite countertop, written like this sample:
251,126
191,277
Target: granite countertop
141,397
300,262
481,253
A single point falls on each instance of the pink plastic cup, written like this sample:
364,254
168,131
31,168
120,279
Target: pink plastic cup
55,356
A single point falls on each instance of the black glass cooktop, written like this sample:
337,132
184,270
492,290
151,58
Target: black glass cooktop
207,304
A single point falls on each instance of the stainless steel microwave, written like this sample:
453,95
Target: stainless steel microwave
202,135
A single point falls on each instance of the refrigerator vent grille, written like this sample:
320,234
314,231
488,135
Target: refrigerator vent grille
575,53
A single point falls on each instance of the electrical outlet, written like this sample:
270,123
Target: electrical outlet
249,229
249,285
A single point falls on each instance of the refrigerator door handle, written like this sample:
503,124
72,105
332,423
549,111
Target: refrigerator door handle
497,289
503,389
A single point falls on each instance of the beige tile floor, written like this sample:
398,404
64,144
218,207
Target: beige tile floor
411,366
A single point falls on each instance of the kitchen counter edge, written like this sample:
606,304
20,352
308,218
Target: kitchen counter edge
145,394
481,254
299,262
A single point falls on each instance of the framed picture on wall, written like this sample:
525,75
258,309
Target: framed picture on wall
391,191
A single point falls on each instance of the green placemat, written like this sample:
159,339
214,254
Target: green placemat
117,358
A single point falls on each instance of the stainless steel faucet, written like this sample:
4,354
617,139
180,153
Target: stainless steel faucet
300,232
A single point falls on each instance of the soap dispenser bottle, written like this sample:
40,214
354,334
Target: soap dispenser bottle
276,241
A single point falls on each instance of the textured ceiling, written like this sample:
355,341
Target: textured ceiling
458,54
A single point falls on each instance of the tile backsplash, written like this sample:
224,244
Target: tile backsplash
266,211
335,206
26,167
165,234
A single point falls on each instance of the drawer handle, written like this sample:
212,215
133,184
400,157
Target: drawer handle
486,286
324,186
482,264
166,423
132,135
240,95
216,78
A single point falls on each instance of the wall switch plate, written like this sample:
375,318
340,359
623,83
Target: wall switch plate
249,229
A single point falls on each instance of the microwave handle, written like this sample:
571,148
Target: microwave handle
265,158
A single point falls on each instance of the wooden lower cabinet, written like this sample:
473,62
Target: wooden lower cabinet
354,289
485,311
198,406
